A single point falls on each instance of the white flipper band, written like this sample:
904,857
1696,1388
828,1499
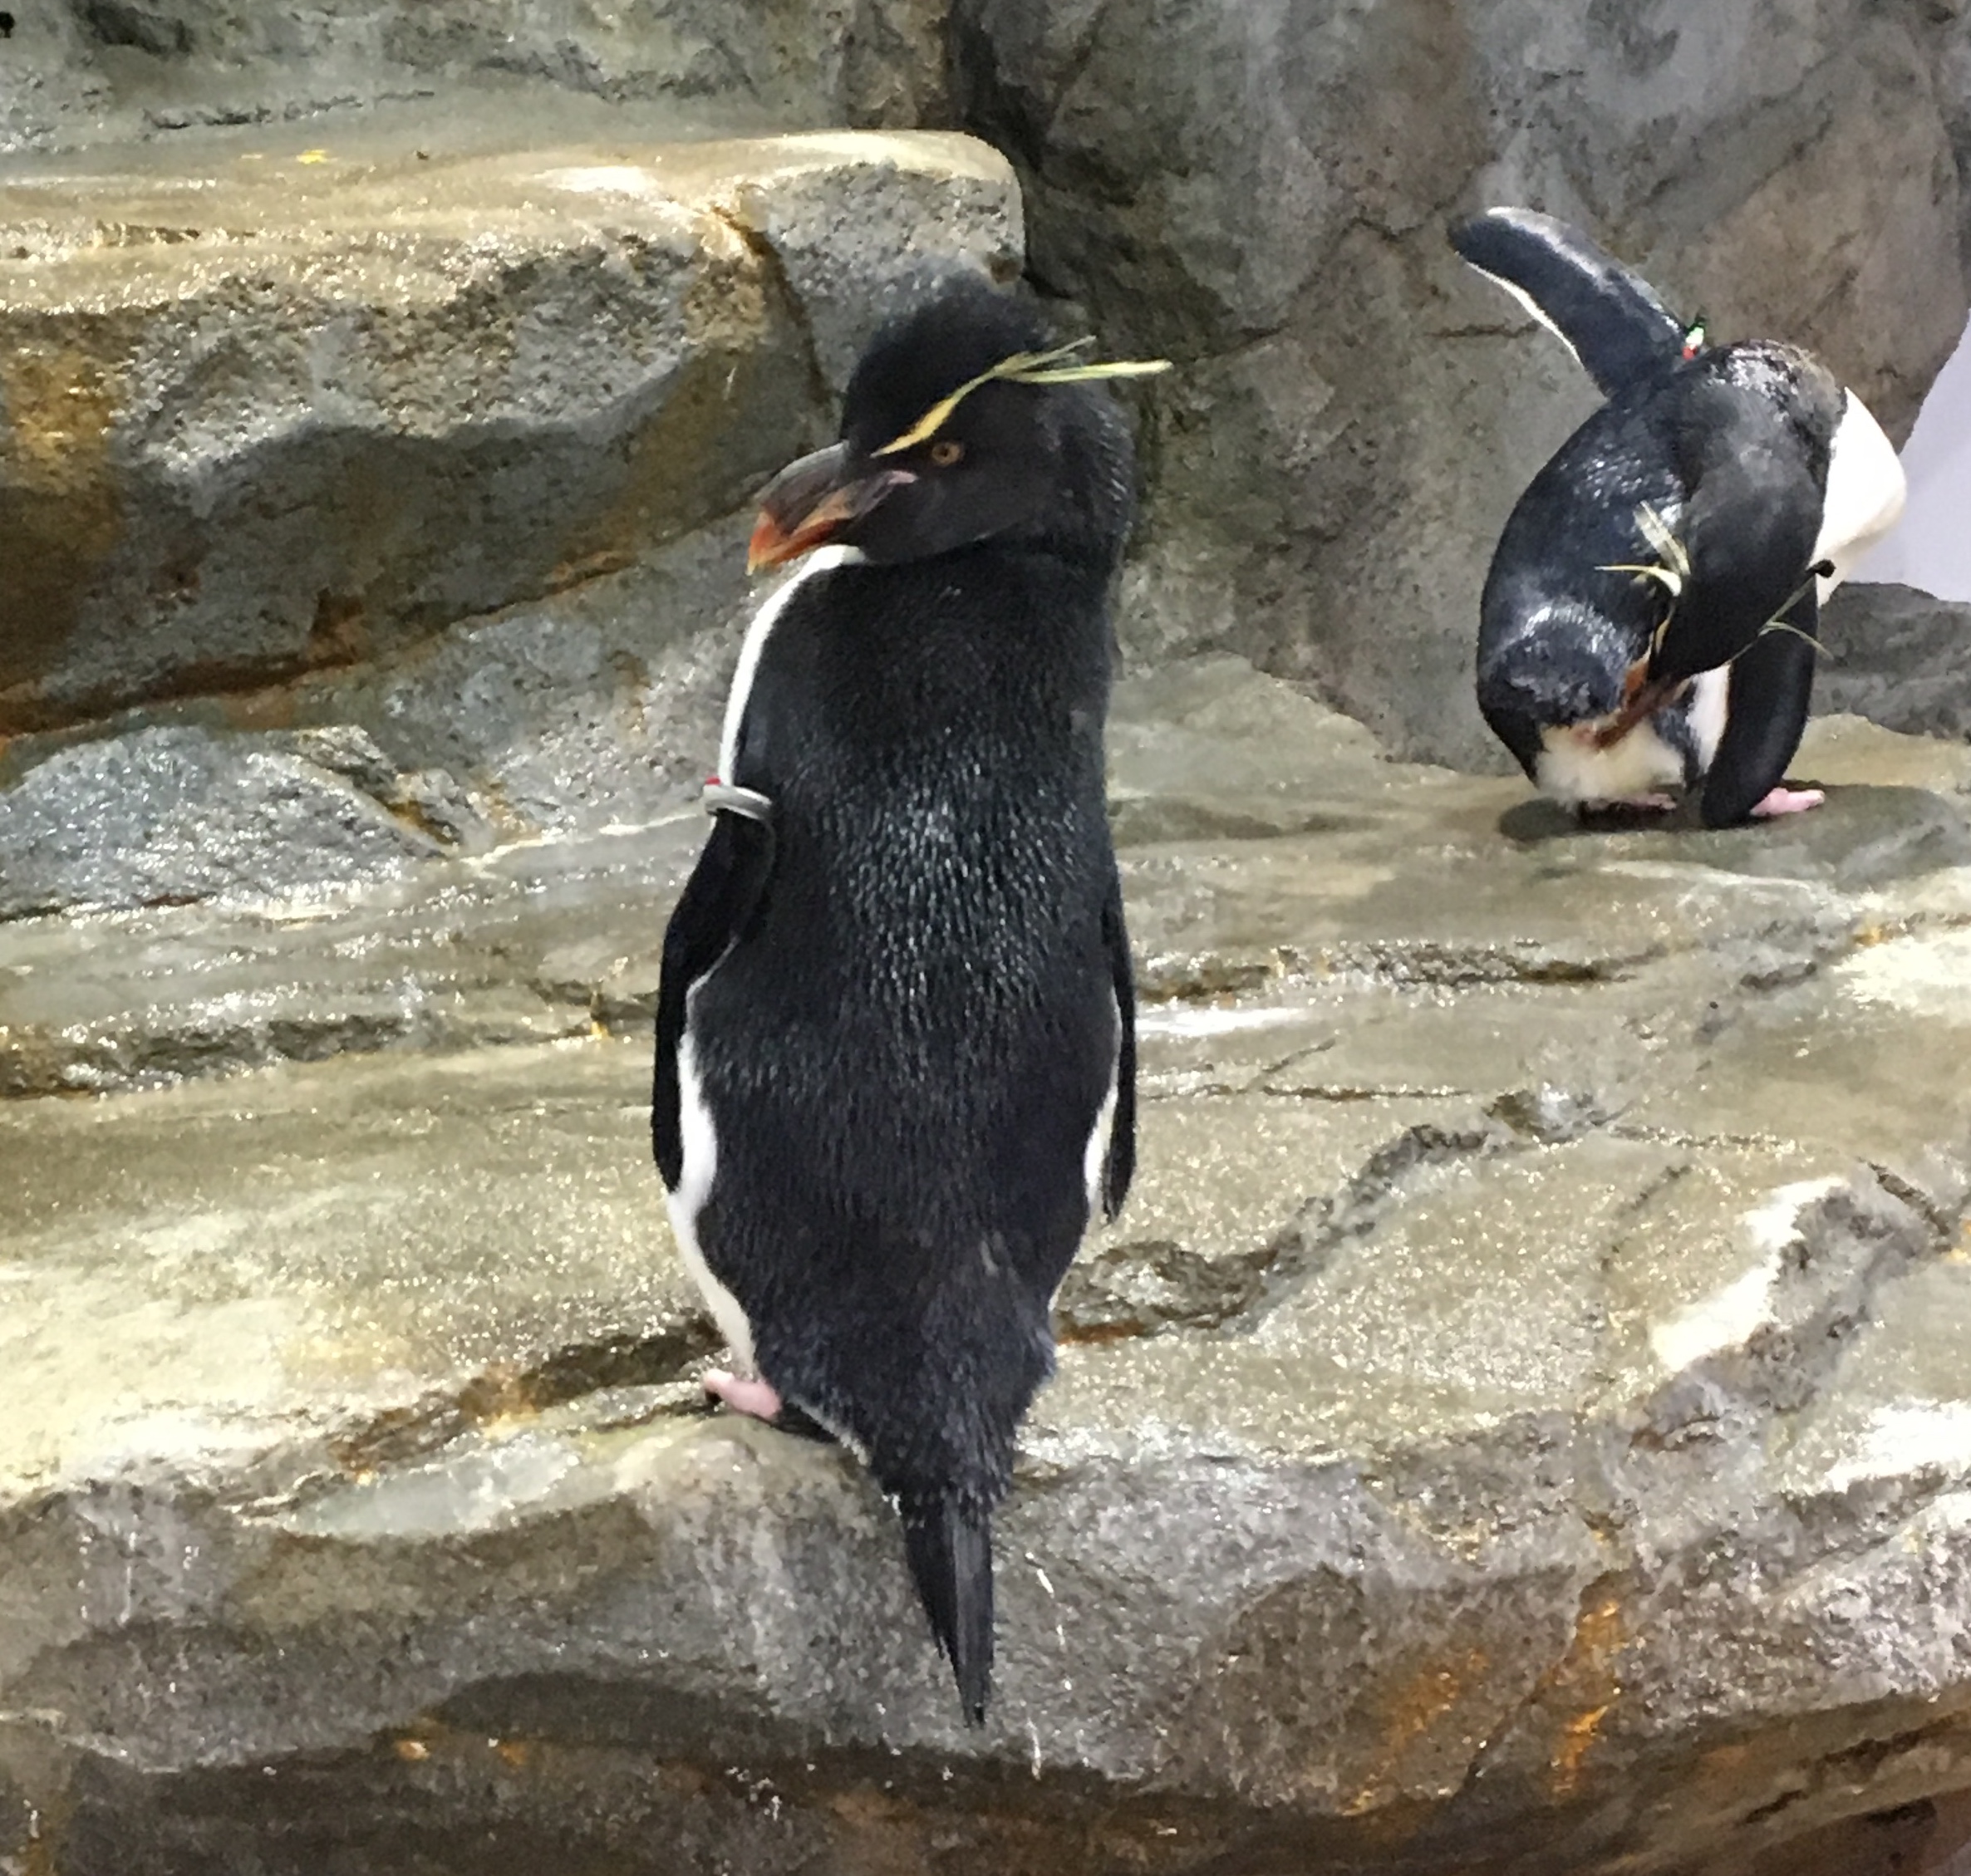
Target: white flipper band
728,798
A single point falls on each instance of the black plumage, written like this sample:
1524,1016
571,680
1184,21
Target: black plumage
897,999
1609,318
1649,614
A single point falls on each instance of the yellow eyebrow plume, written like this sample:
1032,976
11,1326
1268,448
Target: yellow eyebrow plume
1674,570
1023,368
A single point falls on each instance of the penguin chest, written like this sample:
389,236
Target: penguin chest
1571,769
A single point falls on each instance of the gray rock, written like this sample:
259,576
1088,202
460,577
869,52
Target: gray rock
848,240
1897,656
448,509
249,439
430,798
1519,1423
1260,192
348,750
91,69
593,709
167,815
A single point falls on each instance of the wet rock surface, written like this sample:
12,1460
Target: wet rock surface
1521,1423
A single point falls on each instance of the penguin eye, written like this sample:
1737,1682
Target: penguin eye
945,452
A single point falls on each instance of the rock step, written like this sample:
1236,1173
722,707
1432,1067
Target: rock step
1536,1343
1257,831
269,410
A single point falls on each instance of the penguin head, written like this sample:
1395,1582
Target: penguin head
961,424
1565,665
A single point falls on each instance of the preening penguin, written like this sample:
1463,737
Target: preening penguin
1650,617
896,1056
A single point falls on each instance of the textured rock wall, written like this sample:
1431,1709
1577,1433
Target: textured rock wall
78,70
437,451
1259,188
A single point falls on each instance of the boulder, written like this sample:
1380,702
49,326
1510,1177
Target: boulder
271,412
1261,189
1898,656
1519,1425
167,815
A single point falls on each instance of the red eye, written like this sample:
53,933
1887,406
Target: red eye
945,452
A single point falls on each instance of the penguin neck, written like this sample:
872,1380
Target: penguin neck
1019,619
1043,559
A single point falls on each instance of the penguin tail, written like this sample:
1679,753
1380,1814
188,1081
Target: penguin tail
949,1544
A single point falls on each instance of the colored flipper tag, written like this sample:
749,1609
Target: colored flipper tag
1023,368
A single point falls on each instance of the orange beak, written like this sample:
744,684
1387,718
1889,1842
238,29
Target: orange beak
811,501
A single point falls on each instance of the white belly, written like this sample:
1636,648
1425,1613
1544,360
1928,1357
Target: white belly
1708,698
1575,772
1094,1156
1865,489
700,1168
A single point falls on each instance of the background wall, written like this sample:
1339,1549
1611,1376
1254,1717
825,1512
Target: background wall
1261,189
1932,549
1257,189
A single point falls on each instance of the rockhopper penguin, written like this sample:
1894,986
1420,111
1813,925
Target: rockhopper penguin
1650,618
896,1056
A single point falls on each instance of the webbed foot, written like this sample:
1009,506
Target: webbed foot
743,1396
1787,801
1624,807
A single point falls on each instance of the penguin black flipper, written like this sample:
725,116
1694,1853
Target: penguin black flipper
717,904
1609,318
1750,523
1120,1166
1771,685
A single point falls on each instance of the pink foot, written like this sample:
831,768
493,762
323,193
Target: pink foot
1787,801
1630,804
755,1398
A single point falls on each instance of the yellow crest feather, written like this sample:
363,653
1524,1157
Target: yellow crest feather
1023,368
